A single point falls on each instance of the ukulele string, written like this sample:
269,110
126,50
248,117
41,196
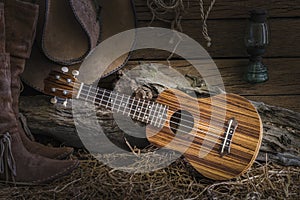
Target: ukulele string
134,100
188,133
103,99
197,130
194,135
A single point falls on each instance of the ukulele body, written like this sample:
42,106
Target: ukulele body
220,136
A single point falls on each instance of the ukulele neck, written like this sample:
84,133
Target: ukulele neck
139,109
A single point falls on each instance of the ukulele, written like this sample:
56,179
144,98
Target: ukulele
220,136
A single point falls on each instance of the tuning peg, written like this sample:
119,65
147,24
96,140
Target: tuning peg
65,92
65,103
65,69
53,100
75,73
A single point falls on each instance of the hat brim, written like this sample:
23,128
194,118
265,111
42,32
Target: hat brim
116,16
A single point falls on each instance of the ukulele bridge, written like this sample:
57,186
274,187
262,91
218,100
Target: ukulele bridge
231,127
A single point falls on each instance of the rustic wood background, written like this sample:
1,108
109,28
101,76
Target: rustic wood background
226,24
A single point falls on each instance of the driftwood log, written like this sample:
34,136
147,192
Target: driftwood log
281,139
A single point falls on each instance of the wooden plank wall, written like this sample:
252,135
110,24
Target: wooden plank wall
227,23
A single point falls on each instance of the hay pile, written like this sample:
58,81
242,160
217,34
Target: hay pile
93,180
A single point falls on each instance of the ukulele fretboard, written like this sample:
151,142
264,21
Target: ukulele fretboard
139,109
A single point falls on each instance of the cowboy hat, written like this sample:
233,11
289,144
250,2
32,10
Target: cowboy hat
68,30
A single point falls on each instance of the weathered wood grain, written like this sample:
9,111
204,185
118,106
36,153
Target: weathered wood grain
290,102
228,38
228,9
282,89
284,75
281,140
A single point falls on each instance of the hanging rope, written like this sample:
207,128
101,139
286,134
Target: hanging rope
159,9
204,17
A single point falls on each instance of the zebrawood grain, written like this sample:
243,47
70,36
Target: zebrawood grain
201,146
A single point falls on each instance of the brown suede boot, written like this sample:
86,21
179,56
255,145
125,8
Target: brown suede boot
16,163
21,20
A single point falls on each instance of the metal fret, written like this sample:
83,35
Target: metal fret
100,102
113,101
146,117
154,114
108,100
161,116
136,108
131,107
141,110
158,114
128,98
84,95
151,113
97,90
88,93
121,102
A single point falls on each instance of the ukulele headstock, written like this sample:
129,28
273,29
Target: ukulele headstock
61,84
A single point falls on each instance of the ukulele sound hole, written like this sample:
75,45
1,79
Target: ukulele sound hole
181,122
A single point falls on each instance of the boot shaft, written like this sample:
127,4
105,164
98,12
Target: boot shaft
20,27
21,21
7,117
8,121
2,29
5,79
17,67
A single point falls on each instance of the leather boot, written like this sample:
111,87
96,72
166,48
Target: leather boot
16,163
20,24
